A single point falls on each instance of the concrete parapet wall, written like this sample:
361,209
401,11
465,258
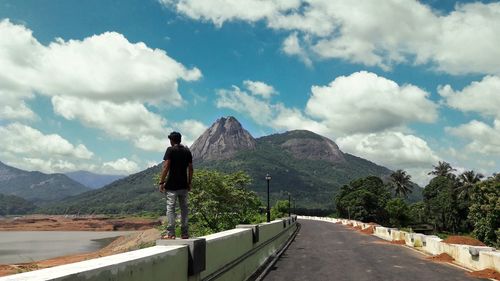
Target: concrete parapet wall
229,255
471,257
152,263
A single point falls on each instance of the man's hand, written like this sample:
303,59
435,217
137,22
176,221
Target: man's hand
161,187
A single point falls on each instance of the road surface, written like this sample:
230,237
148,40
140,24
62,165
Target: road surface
327,251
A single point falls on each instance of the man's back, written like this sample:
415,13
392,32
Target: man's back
179,157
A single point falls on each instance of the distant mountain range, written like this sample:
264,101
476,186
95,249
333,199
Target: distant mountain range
93,180
309,166
37,187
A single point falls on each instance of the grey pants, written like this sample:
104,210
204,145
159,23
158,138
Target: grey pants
172,196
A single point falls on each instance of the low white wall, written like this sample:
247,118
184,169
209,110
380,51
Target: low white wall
154,263
471,257
170,263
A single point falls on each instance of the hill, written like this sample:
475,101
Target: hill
92,180
130,195
309,166
13,205
37,187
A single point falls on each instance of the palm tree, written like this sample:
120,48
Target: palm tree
443,169
467,179
400,181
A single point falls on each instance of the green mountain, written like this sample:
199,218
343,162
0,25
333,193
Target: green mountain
131,195
37,187
13,205
309,166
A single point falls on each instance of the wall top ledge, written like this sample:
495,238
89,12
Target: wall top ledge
223,234
93,264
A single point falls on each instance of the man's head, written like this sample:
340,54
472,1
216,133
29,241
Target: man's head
175,138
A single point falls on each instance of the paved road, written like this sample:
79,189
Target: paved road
327,251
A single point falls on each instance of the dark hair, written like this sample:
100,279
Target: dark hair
175,137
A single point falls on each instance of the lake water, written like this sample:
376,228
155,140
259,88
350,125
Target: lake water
29,246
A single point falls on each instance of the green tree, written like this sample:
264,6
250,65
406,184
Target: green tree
417,213
280,209
467,180
485,211
363,199
443,169
401,183
220,201
398,212
439,202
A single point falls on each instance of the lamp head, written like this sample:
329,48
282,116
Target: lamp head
268,177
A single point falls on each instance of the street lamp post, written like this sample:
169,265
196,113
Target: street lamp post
289,206
268,179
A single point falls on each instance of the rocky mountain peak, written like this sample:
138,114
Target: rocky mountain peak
308,145
222,140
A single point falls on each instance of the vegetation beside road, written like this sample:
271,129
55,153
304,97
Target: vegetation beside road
462,204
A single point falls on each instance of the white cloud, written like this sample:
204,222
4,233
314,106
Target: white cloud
100,67
120,166
258,88
482,97
292,46
360,103
392,149
483,138
103,81
27,148
18,50
18,138
408,32
190,130
219,11
109,67
131,120
364,102
276,116
240,101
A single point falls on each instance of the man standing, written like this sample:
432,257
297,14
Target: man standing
175,181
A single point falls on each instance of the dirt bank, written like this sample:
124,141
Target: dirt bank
75,223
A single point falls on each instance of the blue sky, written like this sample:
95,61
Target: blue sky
97,85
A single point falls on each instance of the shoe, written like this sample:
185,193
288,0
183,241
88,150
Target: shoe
185,236
168,237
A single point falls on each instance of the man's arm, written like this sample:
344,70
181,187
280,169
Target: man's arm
164,173
190,175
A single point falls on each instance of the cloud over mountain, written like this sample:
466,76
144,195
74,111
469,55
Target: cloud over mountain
408,32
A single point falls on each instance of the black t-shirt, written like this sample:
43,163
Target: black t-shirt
179,157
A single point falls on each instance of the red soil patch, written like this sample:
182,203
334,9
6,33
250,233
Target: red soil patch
398,242
339,222
380,242
349,224
463,240
441,258
63,223
486,273
358,228
368,230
